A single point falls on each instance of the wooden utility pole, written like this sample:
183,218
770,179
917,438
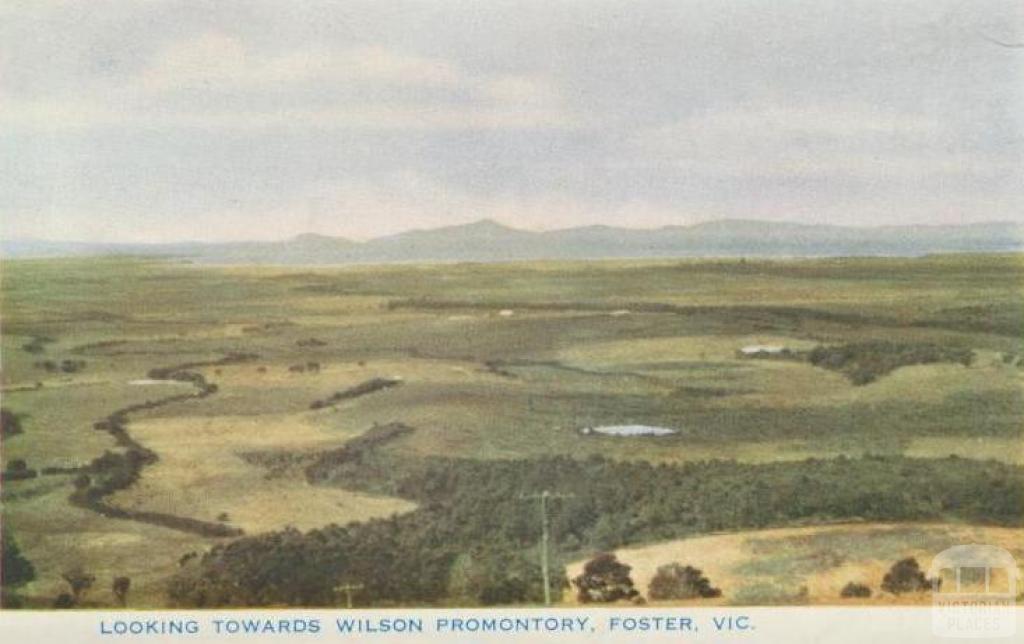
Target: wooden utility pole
348,589
545,536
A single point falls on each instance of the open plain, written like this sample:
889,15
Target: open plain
261,401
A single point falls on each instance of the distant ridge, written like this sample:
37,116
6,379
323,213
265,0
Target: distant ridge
488,240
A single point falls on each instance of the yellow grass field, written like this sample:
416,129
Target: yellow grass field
201,474
774,566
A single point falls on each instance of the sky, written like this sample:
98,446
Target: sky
127,121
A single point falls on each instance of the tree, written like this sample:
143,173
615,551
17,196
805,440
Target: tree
905,576
82,481
675,581
604,579
120,587
72,366
610,530
853,589
10,423
498,575
17,465
15,569
79,581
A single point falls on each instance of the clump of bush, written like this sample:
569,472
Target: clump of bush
37,344
675,581
605,579
10,423
17,470
121,586
865,362
905,576
79,581
854,590
66,366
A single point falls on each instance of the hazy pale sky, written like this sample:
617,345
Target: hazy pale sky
148,121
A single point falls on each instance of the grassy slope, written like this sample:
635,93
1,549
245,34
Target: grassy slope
770,566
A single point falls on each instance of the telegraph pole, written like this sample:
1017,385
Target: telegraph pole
348,589
545,537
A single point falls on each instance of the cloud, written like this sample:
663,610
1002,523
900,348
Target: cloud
841,141
56,116
216,60
784,121
771,127
521,90
217,82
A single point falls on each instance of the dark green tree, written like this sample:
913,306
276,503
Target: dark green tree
120,587
605,579
10,423
16,569
675,581
905,576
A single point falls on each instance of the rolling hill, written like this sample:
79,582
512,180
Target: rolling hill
487,240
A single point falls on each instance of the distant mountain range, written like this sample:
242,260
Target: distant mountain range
488,240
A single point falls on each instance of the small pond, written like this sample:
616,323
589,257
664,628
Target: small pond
629,430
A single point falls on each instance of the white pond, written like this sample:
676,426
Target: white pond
762,348
629,430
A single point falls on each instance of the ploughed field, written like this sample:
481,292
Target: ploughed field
175,419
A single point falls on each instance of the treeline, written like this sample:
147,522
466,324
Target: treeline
742,312
356,451
362,389
1004,318
473,537
319,467
115,471
865,362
